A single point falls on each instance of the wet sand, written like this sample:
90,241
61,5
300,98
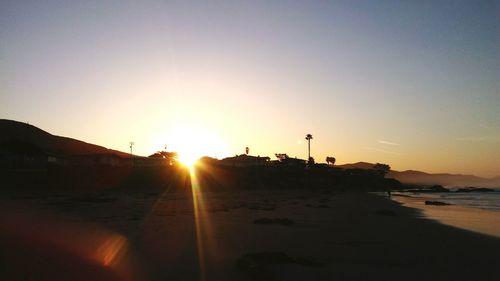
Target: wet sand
157,235
473,219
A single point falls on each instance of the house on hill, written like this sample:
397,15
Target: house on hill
162,158
97,159
285,160
244,160
293,162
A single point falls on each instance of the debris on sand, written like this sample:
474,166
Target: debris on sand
261,207
91,198
280,221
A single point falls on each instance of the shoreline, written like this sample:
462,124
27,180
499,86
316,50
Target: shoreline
349,235
482,221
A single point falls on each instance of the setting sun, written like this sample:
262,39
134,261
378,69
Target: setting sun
188,159
241,140
192,143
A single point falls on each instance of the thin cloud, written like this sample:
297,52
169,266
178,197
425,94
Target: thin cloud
480,139
388,142
382,151
485,126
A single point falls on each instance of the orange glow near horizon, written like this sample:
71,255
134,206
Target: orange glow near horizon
194,142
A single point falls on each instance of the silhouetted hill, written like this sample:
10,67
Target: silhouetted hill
418,177
358,165
17,137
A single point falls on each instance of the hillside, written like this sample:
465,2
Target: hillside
445,179
418,177
358,165
17,136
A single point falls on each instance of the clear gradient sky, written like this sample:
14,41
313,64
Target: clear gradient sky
414,84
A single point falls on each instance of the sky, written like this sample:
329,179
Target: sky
414,84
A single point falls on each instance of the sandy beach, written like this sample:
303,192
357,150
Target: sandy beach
473,219
249,140
240,235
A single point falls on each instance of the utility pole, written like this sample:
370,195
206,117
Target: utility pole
131,145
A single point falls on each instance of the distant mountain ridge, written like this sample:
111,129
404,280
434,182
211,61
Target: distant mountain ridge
357,165
17,134
418,177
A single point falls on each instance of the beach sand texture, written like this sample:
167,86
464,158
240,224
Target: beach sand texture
240,235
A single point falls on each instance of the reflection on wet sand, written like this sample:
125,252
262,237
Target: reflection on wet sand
477,220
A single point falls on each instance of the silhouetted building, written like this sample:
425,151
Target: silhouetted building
87,160
293,162
245,161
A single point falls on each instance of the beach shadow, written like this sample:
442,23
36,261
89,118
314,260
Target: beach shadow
258,265
385,212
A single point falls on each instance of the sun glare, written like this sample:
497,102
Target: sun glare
192,143
188,159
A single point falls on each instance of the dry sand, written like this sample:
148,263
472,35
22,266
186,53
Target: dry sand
153,235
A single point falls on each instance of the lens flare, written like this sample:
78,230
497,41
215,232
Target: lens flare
192,142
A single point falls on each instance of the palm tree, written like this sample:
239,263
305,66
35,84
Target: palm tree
309,138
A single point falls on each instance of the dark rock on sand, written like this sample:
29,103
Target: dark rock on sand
280,221
474,189
438,188
436,203
308,262
261,207
324,200
434,188
429,189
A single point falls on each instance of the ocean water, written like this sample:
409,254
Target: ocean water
481,200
